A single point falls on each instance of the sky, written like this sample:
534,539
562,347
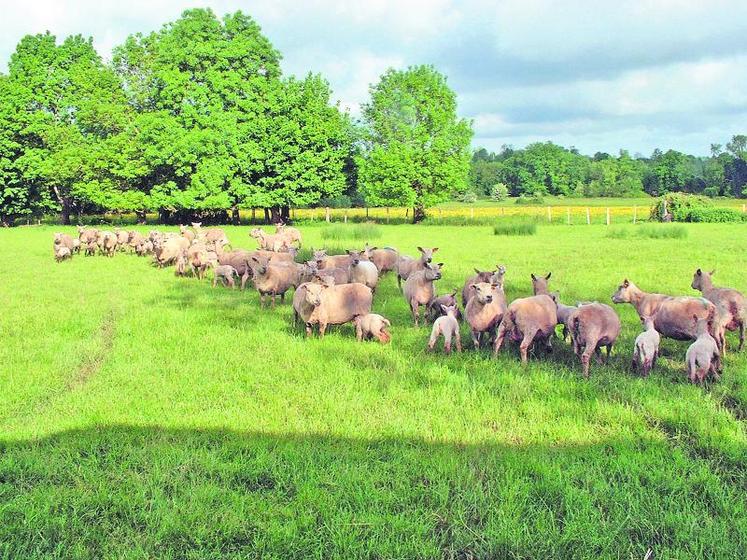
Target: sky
598,75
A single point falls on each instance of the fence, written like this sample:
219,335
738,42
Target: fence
572,215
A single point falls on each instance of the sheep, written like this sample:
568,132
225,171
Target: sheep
145,247
385,259
210,235
530,320
224,272
564,313
539,284
181,263
91,248
448,327
671,314
63,240
168,251
87,235
407,265
593,326
107,242
334,305
646,348
703,355
187,233
76,245
732,305
310,270
324,261
484,311
434,310
419,289
492,277
290,234
362,270
61,252
273,279
269,242
238,259
135,239
198,262
372,325
122,238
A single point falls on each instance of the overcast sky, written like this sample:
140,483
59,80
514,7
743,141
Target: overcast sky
599,75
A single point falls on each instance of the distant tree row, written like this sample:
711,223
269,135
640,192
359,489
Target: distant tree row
546,168
196,120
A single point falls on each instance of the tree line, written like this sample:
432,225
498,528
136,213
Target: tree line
546,168
197,120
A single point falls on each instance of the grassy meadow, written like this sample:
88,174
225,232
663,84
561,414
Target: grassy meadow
144,415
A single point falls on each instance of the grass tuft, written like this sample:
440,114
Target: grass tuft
648,231
515,227
358,232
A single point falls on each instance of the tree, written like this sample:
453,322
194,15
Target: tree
738,146
670,172
417,145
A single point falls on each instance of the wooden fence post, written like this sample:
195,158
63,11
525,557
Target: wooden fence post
588,216
366,212
568,215
608,216
744,207
635,214
472,213
387,214
254,215
345,217
503,211
326,210
549,214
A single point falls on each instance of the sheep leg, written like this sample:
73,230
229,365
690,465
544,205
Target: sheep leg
399,282
322,329
309,331
434,337
500,335
476,339
447,342
358,332
458,342
525,344
585,359
272,296
741,335
244,278
609,351
415,307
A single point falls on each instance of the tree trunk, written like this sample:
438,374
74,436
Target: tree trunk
418,213
267,215
285,213
235,216
140,217
164,215
277,214
65,214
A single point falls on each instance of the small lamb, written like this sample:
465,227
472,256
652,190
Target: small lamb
646,349
448,326
61,253
372,325
224,272
703,356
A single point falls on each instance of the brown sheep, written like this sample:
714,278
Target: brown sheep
168,251
181,263
61,252
187,233
530,321
385,259
672,315
269,242
87,235
731,303
539,284
122,238
273,279
91,248
490,276
407,265
419,289
372,325
63,240
335,305
593,326
290,234
448,327
484,311
107,242
323,260
434,309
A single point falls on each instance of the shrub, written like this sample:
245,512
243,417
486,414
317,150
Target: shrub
363,232
467,197
515,227
678,205
342,201
652,231
716,215
534,198
499,192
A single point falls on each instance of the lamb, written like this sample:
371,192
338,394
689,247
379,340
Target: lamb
269,242
76,245
238,259
63,240
731,303
61,252
419,289
135,239
91,248
407,265
372,325
448,327
646,348
385,259
530,320
362,270
484,311
324,261
145,247
671,314
335,305
273,279
187,233
122,238
539,284
434,309
107,243
211,235
224,272
290,234
703,356
181,263
593,326
310,270
168,251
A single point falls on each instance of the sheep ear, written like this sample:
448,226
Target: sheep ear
348,251
699,272
626,283
454,292
712,272
445,309
474,286
533,277
421,249
548,275
440,265
373,248
434,250
477,271
255,259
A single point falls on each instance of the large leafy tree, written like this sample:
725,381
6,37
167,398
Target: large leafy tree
68,102
418,148
201,87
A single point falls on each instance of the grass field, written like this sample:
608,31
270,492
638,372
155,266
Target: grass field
144,415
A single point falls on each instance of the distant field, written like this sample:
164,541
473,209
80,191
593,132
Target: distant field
144,415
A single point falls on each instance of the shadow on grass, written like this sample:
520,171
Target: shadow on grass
123,491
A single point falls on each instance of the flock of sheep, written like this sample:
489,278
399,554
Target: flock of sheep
339,289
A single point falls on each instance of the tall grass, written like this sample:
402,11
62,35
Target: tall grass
648,231
358,232
515,227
